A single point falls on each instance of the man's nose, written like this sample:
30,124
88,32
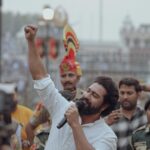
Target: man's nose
125,96
67,78
87,95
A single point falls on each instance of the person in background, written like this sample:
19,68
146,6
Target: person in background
70,69
19,113
87,131
140,139
70,74
129,117
9,128
145,95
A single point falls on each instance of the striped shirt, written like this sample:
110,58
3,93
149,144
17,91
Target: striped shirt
124,128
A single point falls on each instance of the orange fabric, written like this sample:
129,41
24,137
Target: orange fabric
22,115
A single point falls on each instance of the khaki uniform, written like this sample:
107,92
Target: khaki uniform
140,139
79,93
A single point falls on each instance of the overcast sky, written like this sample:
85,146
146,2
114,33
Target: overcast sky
84,15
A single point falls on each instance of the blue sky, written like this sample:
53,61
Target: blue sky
84,15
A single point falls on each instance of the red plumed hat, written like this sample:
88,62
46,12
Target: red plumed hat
71,45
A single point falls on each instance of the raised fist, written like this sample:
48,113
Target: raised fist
30,32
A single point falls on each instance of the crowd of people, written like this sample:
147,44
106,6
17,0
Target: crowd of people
104,116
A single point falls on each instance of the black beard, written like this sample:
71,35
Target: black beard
129,108
88,109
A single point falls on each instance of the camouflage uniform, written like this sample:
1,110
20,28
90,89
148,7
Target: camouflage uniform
72,96
79,93
140,139
41,138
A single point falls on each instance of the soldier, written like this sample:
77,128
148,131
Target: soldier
129,117
140,139
70,73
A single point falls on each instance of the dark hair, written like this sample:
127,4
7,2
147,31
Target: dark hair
131,82
6,125
147,105
112,95
10,104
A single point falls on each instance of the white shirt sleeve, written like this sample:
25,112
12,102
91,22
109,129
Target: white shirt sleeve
52,99
106,144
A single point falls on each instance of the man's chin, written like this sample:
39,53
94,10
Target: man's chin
128,107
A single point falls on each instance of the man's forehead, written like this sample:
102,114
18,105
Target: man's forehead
97,88
126,87
68,72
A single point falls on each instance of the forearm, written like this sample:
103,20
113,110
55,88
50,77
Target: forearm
80,139
36,66
30,132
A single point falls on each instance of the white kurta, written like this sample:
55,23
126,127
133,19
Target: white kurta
99,134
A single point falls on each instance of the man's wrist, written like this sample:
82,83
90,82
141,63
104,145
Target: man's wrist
75,125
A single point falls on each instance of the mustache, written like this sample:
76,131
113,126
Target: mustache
67,82
125,101
85,100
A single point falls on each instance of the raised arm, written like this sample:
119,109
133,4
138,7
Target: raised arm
36,66
43,84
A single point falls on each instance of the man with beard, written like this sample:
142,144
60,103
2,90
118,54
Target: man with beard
87,132
129,117
70,73
19,113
